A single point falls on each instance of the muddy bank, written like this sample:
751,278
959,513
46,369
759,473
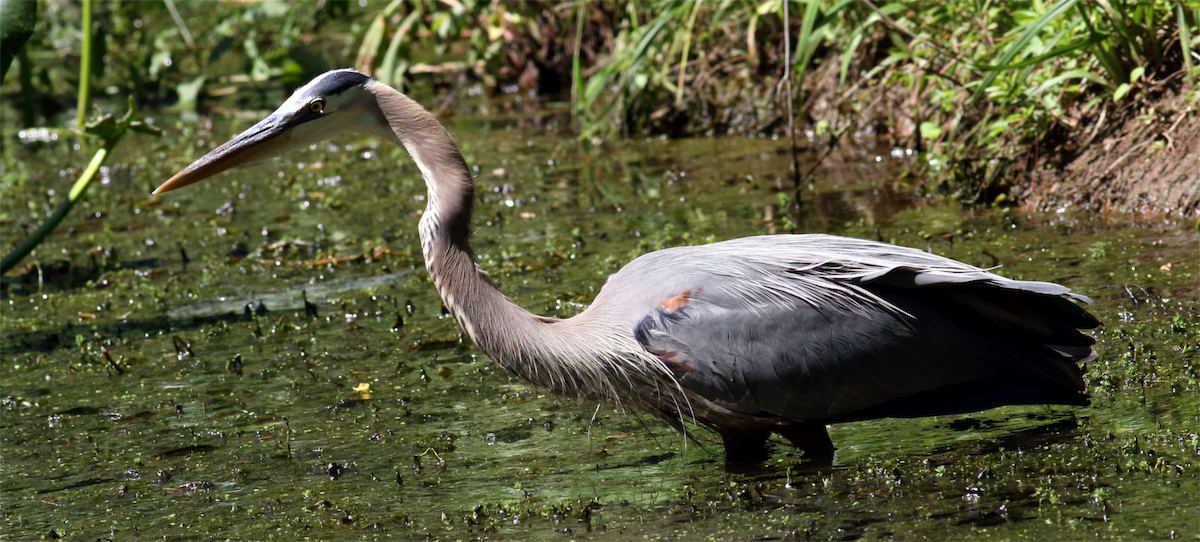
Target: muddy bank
1143,158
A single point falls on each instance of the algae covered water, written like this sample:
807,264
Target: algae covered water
263,356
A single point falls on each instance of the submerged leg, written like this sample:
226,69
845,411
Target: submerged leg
810,437
745,446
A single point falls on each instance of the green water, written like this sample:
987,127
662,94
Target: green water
378,419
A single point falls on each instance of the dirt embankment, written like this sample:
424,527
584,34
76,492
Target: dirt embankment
1144,157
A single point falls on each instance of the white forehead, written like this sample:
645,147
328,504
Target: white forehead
338,88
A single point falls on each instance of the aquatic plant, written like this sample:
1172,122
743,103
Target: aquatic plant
17,21
110,131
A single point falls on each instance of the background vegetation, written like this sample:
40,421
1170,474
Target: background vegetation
979,88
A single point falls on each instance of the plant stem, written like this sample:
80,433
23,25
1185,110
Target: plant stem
85,67
1185,41
791,96
576,68
187,36
25,76
81,185
687,44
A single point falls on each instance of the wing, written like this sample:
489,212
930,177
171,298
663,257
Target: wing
784,326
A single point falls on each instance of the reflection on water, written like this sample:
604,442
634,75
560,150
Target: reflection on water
291,299
257,426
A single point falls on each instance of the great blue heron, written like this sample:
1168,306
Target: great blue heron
778,333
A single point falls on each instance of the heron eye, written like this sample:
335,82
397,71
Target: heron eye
317,106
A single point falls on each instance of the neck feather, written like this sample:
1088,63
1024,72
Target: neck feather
445,227
588,355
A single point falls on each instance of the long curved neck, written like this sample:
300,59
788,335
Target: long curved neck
446,228
589,355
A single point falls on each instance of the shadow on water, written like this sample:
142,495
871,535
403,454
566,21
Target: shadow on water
63,276
238,414
243,308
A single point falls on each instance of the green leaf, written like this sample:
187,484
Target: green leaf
1016,47
105,128
768,6
595,85
392,7
1185,41
892,8
808,40
1077,44
388,73
370,45
17,21
189,92
631,63
930,130
855,41
440,24
1073,74
576,68
1136,74
1120,92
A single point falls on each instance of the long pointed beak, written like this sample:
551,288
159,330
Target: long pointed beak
261,141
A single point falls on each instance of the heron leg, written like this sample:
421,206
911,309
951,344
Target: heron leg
810,437
745,445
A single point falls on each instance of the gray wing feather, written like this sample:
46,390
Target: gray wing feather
820,327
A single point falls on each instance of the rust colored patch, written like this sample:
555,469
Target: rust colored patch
672,304
678,368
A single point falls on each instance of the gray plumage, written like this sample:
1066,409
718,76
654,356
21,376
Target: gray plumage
781,333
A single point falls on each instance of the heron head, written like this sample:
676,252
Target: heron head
334,103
